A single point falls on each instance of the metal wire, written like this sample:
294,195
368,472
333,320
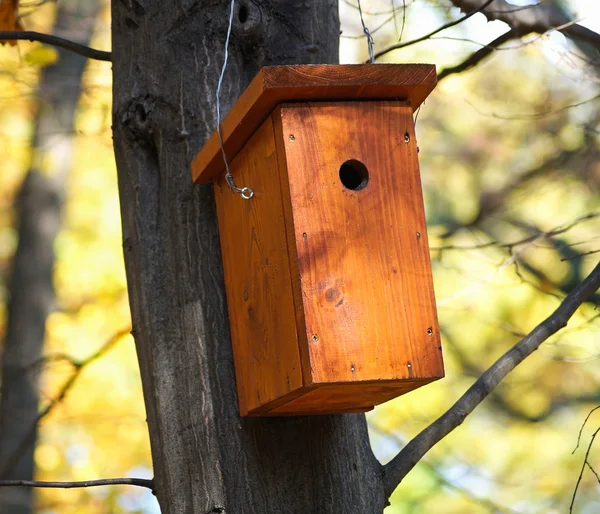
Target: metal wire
370,42
245,192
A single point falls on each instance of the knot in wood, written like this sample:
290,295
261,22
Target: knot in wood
137,117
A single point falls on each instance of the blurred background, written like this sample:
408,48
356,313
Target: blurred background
509,153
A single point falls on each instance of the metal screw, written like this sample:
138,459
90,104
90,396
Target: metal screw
352,368
418,235
409,365
429,331
304,235
406,137
315,338
292,137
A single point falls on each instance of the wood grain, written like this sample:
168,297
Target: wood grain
329,289
363,256
257,277
276,84
344,397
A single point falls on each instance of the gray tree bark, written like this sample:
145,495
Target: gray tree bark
38,208
166,60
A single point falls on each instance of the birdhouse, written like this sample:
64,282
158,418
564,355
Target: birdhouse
327,269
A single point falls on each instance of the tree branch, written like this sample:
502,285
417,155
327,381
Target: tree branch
29,436
395,471
534,18
585,462
479,55
28,35
539,19
141,482
433,33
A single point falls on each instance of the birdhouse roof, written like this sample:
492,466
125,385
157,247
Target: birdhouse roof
308,82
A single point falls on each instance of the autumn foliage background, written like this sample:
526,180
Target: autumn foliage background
510,168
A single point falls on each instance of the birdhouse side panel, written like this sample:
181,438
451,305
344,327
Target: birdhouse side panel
280,145
361,241
257,276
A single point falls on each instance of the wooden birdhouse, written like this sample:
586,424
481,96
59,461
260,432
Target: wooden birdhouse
327,268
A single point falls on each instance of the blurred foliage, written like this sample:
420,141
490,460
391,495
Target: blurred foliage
510,168
98,430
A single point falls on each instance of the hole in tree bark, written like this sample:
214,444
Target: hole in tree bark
243,14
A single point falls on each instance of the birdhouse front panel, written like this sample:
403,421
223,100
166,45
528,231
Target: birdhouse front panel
361,241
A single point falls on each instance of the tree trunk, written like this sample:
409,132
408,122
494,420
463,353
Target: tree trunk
38,207
166,60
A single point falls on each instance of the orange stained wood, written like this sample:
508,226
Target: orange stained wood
257,276
363,258
353,397
276,84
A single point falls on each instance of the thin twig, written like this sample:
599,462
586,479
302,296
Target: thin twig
141,482
585,462
583,426
537,115
539,19
28,35
479,55
433,33
594,472
517,9
579,255
413,452
546,235
403,19
29,437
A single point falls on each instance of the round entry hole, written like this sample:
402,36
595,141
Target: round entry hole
354,175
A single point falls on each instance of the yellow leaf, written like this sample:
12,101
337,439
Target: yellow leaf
42,56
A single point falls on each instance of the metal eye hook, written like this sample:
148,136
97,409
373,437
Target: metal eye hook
247,193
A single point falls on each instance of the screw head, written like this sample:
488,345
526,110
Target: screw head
429,331
406,137
292,137
315,338
418,235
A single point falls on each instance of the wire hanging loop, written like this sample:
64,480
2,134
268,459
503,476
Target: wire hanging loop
245,192
370,42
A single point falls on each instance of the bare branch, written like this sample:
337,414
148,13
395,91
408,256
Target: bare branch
579,255
594,472
433,33
141,482
479,55
583,426
435,469
413,452
538,19
29,436
526,240
72,46
585,462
